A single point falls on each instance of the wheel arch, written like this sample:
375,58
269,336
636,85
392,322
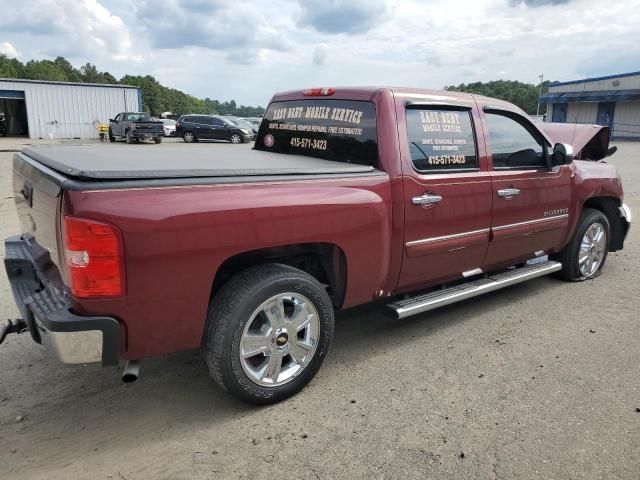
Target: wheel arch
326,262
609,206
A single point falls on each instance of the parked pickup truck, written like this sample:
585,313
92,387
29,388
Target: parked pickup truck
412,198
135,126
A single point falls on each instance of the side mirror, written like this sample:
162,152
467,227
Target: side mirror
111,120
562,154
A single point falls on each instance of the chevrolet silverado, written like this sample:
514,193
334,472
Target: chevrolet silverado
411,198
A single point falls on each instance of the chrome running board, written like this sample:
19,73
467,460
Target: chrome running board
447,296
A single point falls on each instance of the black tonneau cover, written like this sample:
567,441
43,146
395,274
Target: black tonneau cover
128,162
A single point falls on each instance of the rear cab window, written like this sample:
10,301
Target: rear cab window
338,130
441,139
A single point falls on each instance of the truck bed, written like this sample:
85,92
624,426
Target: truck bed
129,162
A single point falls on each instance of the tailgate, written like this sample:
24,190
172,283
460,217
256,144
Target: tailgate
38,200
149,128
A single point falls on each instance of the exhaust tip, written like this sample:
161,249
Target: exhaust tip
131,371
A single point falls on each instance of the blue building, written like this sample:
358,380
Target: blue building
612,100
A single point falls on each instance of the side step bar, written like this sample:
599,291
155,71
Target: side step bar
432,300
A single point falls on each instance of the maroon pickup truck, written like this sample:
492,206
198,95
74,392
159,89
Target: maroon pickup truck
412,198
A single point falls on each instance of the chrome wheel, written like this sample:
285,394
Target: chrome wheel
235,138
592,249
188,137
279,339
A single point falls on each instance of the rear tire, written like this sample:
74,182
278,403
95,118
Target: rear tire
189,137
586,253
256,321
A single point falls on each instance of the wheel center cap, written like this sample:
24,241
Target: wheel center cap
282,339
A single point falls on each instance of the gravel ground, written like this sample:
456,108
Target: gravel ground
537,381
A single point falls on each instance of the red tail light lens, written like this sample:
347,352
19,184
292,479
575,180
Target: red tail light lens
93,258
319,92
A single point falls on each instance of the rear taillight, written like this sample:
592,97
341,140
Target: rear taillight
318,92
93,258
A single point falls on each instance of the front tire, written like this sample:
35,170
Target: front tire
235,138
111,137
586,253
268,331
158,140
129,137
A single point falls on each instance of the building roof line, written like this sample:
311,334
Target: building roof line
595,79
77,84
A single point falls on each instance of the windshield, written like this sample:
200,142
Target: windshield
340,130
244,124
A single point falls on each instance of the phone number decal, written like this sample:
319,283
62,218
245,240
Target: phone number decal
446,160
314,144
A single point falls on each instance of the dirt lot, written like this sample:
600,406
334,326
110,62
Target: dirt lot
538,381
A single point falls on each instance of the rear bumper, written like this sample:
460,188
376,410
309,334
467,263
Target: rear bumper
145,134
46,309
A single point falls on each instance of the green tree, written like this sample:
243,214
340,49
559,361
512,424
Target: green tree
156,98
8,67
44,70
524,95
72,74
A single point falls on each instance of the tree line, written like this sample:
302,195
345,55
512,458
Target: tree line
156,98
524,95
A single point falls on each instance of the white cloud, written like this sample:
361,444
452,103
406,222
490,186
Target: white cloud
320,54
69,27
342,16
9,50
239,29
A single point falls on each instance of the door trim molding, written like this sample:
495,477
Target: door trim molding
424,241
530,222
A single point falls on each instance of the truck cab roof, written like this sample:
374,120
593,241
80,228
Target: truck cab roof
368,93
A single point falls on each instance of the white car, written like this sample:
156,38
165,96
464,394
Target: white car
169,127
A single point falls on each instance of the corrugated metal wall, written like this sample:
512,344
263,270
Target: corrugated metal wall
583,112
626,117
626,120
71,111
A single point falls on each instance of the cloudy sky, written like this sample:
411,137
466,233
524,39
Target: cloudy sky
249,49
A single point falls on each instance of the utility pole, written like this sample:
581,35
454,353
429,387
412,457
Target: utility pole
541,77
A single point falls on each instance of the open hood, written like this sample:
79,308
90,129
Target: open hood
589,142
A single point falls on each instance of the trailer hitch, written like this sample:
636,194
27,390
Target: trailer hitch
12,326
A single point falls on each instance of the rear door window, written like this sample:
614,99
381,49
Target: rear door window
441,139
339,130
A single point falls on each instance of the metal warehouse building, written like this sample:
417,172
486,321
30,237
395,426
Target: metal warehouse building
41,109
613,100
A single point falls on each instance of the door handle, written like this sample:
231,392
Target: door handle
426,199
508,192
